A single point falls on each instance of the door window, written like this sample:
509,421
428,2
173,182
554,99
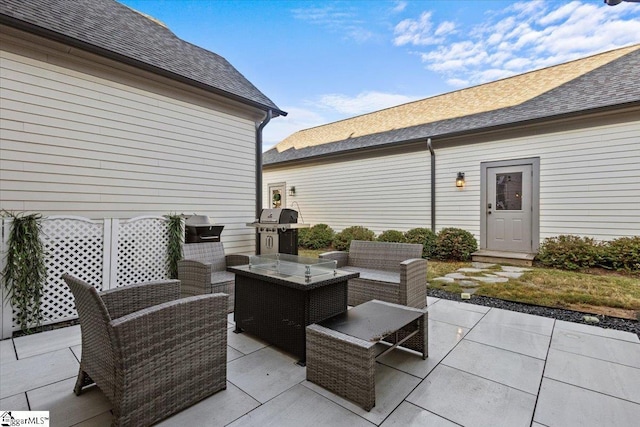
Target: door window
509,191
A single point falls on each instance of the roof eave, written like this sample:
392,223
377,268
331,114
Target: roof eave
53,35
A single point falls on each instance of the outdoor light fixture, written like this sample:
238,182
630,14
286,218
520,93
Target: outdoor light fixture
460,180
292,191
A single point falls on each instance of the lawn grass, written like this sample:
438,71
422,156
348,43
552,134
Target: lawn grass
595,292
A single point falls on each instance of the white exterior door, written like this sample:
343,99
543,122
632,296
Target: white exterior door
509,208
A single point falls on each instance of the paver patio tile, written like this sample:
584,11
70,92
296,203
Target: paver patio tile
17,402
244,342
219,409
565,405
392,386
594,374
265,373
508,338
31,345
408,414
65,408
473,401
497,365
301,407
444,311
7,352
102,420
596,330
612,350
233,354
526,322
465,306
37,371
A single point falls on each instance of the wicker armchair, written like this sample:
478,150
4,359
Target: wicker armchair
203,270
391,272
151,353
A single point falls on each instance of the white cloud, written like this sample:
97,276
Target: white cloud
336,19
362,103
399,7
524,36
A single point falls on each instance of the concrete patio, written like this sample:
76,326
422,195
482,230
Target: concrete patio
486,367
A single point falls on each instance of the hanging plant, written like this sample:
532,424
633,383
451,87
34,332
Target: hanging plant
174,249
25,272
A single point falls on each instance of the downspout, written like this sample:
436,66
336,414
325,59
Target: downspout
259,128
433,185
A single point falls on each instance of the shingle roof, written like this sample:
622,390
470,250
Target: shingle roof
114,30
600,81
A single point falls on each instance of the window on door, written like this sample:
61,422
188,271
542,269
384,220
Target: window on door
509,191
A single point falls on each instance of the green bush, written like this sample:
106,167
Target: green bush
343,239
393,236
455,244
317,237
425,237
621,254
570,252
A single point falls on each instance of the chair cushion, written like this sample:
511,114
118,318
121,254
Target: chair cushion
375,275
222,276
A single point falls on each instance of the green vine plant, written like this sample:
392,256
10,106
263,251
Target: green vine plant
24,274
176,238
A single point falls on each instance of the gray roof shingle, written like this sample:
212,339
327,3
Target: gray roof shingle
614,84
114,30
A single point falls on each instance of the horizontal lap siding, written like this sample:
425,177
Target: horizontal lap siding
77,144
380,193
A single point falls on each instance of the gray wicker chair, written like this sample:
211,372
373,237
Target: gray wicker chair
391,272
150,352
203,270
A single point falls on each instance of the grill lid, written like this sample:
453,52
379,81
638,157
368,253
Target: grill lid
278,216
198,221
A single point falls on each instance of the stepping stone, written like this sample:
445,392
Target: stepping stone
468,284
514,269
482,265
471,270
489,275
490,279
445,279
511,275
456,276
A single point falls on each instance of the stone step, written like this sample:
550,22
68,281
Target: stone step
500,257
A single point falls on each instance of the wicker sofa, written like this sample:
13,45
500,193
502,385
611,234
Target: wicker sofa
203,270
391,272
151,353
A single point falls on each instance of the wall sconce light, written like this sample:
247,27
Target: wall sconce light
460,180
292,191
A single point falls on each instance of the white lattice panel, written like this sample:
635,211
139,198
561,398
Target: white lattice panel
74,246
142,250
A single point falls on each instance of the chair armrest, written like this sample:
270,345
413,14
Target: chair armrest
340,256
167,341
128,299
413,282
195,277
236,259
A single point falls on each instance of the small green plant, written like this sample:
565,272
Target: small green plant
25,272
621,254
393,236
425,237
317,237
455,244
343,239
569,252
174,248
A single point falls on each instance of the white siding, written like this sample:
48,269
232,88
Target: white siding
78,143
589,182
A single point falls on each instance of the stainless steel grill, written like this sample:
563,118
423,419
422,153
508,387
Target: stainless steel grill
199,229
278,230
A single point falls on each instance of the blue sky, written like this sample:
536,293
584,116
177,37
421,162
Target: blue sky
323,61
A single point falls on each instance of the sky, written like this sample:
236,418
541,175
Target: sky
323,61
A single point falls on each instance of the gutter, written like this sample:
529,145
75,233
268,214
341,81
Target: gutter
433,185
259,128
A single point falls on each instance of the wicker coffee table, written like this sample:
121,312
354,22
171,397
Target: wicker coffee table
277,296
342,351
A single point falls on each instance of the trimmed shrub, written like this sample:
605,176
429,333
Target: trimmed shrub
569,252
455,244
302,237
393,236
425,237
621,254
317,237
343,239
